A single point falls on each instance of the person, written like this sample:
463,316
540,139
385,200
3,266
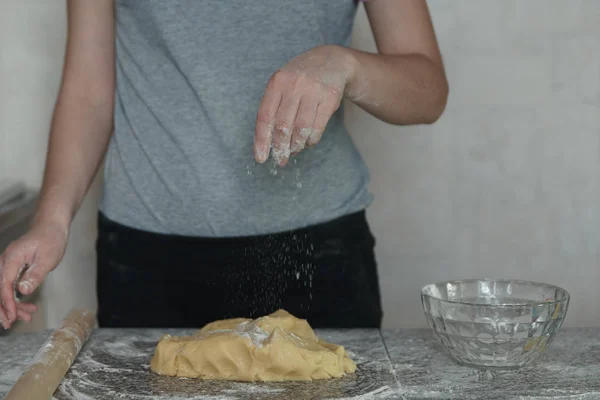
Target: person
231,187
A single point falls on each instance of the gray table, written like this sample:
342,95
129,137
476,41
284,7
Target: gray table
394,364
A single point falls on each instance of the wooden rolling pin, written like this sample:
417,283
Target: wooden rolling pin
49,366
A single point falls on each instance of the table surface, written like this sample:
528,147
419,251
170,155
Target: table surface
392,364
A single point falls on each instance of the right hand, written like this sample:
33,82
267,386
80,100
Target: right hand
39,251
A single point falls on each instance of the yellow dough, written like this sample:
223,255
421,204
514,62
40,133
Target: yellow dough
278,347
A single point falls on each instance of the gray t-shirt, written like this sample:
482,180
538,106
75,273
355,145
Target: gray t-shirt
190,77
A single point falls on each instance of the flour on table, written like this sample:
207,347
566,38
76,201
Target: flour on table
384,392
9,377
584,396
123,348
245,388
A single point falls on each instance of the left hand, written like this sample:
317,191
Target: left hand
299,101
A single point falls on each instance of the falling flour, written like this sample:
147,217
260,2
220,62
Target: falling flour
298,182
273,167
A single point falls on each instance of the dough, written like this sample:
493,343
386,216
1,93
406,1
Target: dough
278,347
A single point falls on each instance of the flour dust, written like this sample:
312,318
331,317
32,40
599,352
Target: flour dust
275,267
276,264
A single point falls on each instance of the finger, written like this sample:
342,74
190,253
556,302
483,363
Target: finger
10,269
284,121
265,120
30,280
27,307
23,315
43,262
303,124
324,112
3,317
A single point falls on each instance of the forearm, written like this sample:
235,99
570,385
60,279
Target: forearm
83,116
398,89
80,132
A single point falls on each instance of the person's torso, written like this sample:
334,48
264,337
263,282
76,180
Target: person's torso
190,78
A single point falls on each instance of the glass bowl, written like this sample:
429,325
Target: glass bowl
494,324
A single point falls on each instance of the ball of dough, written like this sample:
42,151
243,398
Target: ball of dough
277,347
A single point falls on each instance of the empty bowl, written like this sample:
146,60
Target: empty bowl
494,324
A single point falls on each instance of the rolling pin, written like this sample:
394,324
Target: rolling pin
49,366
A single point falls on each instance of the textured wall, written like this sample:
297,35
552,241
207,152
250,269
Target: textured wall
505,184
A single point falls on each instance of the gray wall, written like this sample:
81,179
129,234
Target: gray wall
506,184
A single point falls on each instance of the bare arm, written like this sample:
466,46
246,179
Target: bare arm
81,128
83,116
405,83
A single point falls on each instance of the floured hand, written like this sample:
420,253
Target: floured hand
298,102
33,256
